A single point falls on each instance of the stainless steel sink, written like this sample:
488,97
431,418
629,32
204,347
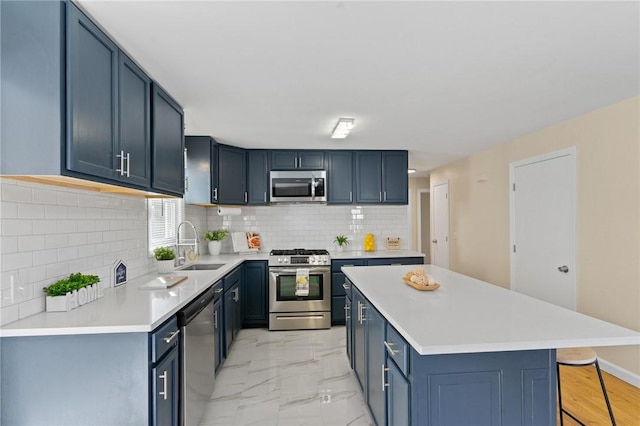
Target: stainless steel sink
202,267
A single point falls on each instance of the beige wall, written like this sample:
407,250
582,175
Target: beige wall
415,184
607,143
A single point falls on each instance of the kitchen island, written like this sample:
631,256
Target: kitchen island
467,353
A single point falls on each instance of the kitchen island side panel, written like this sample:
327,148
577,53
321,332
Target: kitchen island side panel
75,380
509,388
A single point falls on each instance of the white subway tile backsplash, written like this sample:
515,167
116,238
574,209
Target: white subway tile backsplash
9,314
18,193
16,227
55,212
45,257
67,198
30,243
31,307
44,226
8,244
56,241
44,196
17,261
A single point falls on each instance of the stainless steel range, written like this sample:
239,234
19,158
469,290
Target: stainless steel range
299,289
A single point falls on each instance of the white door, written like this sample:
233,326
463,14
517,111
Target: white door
440,236
543,227
424,224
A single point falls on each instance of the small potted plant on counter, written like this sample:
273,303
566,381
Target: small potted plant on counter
69,293
164,259
215,238
341,241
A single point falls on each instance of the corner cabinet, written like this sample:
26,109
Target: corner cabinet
167,143
231,175
381,177
254,294
297,160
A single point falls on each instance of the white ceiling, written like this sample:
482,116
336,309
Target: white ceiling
441,79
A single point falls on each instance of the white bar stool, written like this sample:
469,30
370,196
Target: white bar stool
579,357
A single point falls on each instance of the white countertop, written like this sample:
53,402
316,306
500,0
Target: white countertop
128,308
467,315
361,254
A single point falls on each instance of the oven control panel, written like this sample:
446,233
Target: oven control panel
314,260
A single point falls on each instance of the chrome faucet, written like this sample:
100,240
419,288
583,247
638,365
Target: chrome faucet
180,259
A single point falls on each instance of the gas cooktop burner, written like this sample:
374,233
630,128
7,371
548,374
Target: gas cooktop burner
299,252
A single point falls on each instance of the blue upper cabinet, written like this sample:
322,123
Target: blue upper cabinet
368,177
292,160
108,108
92,93
167,143
198,183
134,123
381,177
257,177
395,178
232,183
340,177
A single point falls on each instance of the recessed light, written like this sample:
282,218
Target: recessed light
342,129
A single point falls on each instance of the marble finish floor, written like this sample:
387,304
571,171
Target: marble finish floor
297,377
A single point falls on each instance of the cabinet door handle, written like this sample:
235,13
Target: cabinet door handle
363,318
215,194
295,163
245,196
215,320
346,312
186,184
385,195
128,163
380,196
171,336
218,290
121,157
384,385
391,351
350,197
265,196
164,378
236,295
345,286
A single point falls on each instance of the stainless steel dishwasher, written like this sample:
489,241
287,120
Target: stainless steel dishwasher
197,360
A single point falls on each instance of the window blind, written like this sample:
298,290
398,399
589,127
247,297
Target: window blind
164,215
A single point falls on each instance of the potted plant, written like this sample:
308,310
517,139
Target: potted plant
69,293
215,238
164,259
342,241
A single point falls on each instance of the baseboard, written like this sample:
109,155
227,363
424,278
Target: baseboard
619,372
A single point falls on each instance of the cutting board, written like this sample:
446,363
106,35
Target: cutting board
165,281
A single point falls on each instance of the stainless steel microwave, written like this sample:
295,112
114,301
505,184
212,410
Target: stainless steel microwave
298,186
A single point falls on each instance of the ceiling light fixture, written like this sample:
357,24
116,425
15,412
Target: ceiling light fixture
343,128
411,171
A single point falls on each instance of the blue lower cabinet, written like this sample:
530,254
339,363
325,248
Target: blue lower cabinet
398,396
374,337
165,390
218,333
358,336
254,294
337,310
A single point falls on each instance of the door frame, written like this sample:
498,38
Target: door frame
419,216
571,152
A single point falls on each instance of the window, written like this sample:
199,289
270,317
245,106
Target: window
164,215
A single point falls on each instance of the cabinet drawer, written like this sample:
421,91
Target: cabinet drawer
337,264
397,349
232,278
164,338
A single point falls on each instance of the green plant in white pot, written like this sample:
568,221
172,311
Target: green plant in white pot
164,259
342,241
215,238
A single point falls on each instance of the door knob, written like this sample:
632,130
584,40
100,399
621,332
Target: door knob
563,268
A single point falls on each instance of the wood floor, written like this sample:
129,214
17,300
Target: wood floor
582,397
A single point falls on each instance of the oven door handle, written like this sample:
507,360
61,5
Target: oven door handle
292,270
